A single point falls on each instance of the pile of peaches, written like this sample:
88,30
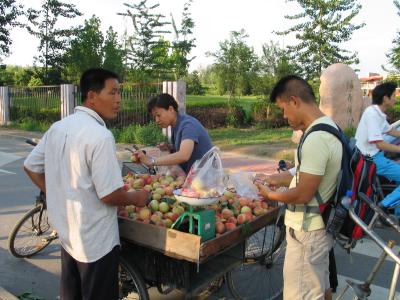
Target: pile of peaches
163,210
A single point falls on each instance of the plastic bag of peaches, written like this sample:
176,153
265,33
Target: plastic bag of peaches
206,177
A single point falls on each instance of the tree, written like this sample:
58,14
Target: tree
9,12
324,27
183,44
394,54
274,64
113,53
86,50
53,41
194,86
147,26
235,64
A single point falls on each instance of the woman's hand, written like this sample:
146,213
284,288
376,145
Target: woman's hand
164,147
143,158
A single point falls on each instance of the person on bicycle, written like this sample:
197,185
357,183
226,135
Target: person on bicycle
370,138
306,267
75,163
190,140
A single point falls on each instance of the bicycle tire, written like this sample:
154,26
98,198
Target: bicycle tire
260,279
265,241
131,283
262,270
33,227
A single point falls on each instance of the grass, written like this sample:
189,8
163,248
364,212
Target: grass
245,101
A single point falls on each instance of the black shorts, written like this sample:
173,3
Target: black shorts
89,281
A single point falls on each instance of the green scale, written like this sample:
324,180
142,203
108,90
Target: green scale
201,221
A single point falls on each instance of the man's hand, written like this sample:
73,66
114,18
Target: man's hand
139,198
122,198
263,190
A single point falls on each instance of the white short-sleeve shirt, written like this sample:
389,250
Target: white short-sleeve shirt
78,157
372,126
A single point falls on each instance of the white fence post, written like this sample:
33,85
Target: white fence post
178,90
4,105
68,101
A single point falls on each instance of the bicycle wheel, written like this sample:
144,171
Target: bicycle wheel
262,270
260,278
131,283
265,241
31,234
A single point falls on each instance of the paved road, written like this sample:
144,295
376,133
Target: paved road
40,275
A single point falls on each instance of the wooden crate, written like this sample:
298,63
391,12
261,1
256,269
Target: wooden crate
182,245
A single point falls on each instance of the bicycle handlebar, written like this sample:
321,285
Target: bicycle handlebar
31,142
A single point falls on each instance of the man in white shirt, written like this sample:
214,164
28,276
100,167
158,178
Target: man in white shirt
75,163
370,138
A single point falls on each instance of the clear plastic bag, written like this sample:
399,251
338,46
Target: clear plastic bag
206,176
242,182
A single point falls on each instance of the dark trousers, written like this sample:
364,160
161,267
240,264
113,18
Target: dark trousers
89,281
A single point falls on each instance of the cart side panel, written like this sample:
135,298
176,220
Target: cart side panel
230,238
176,244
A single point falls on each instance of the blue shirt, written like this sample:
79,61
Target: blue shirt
189,128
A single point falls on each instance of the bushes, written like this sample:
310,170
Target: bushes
267,115
145,135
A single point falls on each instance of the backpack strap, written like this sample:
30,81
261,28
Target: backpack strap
307,208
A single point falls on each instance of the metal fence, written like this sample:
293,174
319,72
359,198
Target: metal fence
44,103
38,103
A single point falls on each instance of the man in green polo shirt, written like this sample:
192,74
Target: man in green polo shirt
306,267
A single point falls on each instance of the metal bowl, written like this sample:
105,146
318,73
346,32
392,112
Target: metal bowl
194,201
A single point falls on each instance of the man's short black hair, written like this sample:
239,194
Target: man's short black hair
381,90
293,85
94,80
162,101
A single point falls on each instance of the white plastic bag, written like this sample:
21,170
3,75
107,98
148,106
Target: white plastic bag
206,177
242,182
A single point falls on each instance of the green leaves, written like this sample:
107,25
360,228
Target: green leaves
323,26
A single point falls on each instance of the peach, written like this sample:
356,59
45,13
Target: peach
242,218
163,207
227,213
144,213
245,209
154,205
219,227
230,226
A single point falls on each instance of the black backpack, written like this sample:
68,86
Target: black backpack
357,174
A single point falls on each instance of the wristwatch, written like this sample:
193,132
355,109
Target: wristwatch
153,161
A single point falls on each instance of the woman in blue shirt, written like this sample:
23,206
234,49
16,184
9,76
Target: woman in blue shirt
190,140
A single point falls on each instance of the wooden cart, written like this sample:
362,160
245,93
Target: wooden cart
171,259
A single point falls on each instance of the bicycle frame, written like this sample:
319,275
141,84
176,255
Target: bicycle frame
362,291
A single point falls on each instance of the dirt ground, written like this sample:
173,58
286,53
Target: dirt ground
274,150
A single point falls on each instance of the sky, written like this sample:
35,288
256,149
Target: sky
215,19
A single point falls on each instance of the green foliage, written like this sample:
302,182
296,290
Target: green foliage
193,84
237,115
86,50
145,135
113,53
53,40
394,54
235,65
267,115
10,11
325,24
183,44
148,30
350,132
